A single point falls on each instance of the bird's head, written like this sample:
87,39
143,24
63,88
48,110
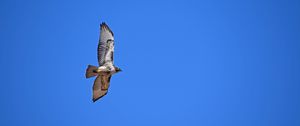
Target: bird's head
118,69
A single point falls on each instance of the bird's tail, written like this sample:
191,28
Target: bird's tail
90,71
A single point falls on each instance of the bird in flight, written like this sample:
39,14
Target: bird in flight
106,66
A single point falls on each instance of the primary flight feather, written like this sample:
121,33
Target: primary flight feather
105,59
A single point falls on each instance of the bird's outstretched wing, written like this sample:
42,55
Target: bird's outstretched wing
106,45
101,86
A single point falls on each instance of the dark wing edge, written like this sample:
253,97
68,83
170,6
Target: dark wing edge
103,25
101,52
94,100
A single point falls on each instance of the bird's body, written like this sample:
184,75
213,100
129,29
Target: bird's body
105,59
106,68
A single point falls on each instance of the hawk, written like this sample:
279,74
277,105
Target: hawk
106,66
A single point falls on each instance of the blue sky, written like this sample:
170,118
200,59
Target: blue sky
184,62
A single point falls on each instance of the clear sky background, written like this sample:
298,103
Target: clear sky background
184,62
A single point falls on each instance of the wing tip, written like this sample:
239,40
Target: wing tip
103,25
95,99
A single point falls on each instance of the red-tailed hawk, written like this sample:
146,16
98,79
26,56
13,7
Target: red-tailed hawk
106,67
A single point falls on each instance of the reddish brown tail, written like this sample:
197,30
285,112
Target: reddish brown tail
90,71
